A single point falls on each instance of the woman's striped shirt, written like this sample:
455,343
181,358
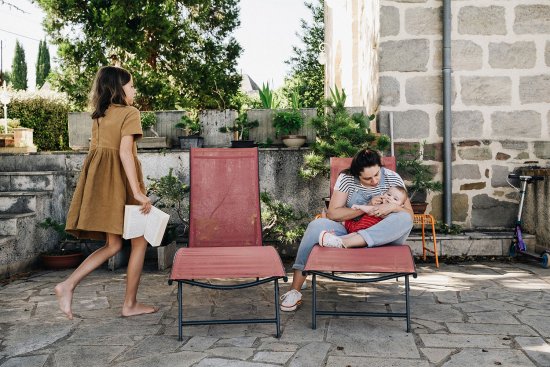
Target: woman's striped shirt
363,194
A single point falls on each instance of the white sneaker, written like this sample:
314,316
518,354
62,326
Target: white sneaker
304,285
327,239
291,300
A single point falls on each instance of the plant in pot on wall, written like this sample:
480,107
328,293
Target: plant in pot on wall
288,123
191,127
241,131
67,254
418,175
148,120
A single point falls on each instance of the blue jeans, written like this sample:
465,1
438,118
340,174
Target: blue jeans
394,229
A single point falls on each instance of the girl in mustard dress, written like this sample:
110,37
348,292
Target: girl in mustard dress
111,177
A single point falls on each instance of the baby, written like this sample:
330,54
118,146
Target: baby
395,195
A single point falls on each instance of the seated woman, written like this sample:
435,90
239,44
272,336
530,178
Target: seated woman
366,180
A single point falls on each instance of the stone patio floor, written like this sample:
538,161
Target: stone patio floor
470,314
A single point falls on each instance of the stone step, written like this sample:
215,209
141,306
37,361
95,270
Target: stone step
27,181
8,222
12,204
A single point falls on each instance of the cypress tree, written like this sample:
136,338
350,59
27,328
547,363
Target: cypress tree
42,64
19,68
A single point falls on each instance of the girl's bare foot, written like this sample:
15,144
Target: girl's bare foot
138,309
64,295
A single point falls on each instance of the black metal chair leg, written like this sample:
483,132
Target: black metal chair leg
314,302
277,310
407,300
180,311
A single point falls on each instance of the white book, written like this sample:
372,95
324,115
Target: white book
151,225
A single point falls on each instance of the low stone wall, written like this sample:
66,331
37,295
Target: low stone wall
536,212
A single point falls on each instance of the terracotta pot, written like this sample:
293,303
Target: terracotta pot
419,208
294,141
58,262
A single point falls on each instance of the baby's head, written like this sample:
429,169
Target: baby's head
396,195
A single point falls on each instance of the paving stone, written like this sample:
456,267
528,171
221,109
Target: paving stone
488,305
465,341
35,335
536,348
243,341
86,356
219,362
278,347
492,357
492,317
437,313
199,343
118,331
378,362
181,359
231,352
539,323
467,328
310,355
151,345
273,357
385,338
16,314
34,361
437,355
300,331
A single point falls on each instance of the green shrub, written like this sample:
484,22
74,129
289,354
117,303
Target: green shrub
47,113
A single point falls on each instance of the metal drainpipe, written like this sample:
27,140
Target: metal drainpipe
447,123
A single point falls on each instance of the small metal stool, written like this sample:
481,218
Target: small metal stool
424,219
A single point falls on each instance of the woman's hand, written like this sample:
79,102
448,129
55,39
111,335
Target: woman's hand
144,201
385,209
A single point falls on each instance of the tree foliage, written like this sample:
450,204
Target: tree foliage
42,64
181,52
19,68
307,76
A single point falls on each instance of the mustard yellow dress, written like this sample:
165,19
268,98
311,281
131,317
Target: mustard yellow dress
103,189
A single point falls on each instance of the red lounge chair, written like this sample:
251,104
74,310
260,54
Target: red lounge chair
387,262
225,235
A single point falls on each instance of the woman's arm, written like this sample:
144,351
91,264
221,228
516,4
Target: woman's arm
127,159
337,209
383,210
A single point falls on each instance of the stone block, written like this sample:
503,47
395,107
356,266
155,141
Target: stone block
465,55
488,212
465,124
32,182
426,90
542,149
473,186
434,152
212,121
423,21
486,91
409,1
466,171
525,124
469,143
150,142
406,55
80,130
502,156
389,21
409,124
522,155
547,53
499,176
518,55
534,89
459,210
389,91
532,19
513,144
4,183
475,154
165,255
482,20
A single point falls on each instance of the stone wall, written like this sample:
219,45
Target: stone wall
500,95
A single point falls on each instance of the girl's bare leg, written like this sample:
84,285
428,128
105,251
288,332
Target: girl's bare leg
297,280
135,265
64,290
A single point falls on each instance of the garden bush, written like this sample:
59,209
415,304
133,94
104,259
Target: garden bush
47,113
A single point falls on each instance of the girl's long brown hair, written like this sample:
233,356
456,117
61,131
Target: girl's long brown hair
107,89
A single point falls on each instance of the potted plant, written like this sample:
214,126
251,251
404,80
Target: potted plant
287,124
419,177
241,131
148,120
67,254
191,127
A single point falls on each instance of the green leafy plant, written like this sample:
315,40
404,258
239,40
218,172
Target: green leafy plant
287,122
339,134
241,127
170,192
190,124
280,221
148,120
416,173
64,238
444,228
268,98
12,124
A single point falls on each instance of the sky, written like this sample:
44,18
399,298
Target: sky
266,34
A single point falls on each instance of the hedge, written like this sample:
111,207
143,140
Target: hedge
47,113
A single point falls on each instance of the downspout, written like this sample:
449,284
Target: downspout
447,124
